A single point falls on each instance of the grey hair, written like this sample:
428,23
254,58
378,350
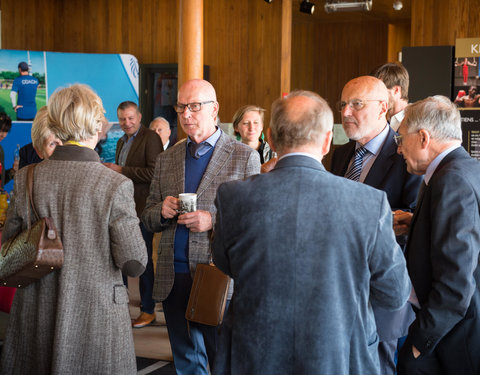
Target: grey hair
292,130
436,114
158,118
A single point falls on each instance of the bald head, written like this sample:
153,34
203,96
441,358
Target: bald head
200,86
364,106
368,85
300,122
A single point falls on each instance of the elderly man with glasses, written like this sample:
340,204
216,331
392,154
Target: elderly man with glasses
444,242
198,165
371,158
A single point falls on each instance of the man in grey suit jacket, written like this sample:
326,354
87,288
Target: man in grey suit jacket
443,243
363,108
305,268
197,165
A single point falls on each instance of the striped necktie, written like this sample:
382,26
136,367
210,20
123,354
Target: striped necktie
356,168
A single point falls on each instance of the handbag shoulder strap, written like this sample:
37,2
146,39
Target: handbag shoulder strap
30,189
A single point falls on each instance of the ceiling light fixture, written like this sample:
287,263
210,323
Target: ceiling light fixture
268,1
397,5
307,7
350,6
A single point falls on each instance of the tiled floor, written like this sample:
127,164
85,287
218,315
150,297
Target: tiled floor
151,341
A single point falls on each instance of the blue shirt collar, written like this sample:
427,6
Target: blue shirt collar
212,140
125,137
375,145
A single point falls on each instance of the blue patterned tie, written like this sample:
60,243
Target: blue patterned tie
356,168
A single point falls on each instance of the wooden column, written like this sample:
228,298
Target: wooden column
286,58
190,43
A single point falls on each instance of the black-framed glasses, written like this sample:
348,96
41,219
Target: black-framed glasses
355,104
192,107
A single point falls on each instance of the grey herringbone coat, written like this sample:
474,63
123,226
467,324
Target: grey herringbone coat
76,320
231,160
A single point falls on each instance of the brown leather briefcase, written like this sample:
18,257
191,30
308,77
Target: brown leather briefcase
208,297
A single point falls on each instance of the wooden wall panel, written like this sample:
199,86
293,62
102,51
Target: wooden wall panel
441,22
144,28
242,42
243,50
31,24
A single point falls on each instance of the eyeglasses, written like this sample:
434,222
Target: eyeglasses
192,107
355,104
399,138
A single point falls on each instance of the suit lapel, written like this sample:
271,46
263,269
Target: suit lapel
221,154
135,145
421,194
383,162
457,153
344,157
178,166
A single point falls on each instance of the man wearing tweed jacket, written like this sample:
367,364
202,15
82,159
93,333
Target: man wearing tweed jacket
199,165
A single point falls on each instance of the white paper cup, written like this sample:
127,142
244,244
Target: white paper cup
188,202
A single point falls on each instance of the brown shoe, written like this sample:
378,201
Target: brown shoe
143,320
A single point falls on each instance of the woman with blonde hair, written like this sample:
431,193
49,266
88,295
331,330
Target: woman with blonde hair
76,320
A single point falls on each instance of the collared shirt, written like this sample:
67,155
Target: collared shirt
396,119
435,162
165,146
207,144
302,154
373,146
127,144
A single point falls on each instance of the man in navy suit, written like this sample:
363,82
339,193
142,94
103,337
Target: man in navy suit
306,268
364,106
443,243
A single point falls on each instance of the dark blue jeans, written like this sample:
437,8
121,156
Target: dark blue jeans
147,303
145,283
192,347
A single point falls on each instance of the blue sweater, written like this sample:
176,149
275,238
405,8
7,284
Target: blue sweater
194,170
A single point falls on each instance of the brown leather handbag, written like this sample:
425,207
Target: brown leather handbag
208,297
31,253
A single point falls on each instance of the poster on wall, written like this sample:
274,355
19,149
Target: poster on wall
471,132
466,94
22,74
28,78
